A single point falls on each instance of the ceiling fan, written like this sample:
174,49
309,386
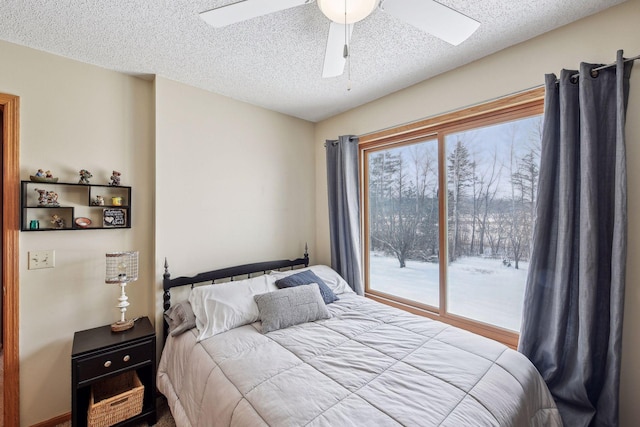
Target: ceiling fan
427,15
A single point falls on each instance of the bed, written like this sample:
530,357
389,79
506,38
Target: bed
353,362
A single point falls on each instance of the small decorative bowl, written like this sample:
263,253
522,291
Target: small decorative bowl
34,178
83,222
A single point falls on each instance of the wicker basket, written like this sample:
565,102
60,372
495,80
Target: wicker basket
115,399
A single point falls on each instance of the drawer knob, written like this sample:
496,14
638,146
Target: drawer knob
107,363
126,358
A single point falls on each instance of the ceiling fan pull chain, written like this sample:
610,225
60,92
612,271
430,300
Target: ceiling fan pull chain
349,71
347,57
345,52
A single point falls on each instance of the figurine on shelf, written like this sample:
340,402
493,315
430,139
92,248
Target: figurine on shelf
52,198
42,176
57,221
99,201
115,179
84,176
42,196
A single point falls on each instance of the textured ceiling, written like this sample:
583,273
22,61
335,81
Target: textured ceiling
273,61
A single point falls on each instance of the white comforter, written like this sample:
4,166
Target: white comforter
369,365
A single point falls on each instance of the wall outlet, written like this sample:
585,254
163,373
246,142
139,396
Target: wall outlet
42,259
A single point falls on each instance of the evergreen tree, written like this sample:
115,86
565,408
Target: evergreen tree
460,175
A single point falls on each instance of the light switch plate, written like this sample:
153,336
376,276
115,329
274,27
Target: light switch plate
42,259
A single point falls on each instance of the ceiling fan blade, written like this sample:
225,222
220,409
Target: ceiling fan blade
246,9
334,59
433,18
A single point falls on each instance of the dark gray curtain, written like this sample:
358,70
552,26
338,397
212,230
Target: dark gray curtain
574,299
344,209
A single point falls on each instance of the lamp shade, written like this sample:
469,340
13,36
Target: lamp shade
122,267
355,10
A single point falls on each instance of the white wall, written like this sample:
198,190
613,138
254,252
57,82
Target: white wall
594,39
234,182
76,116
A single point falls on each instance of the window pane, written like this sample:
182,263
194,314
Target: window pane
492,179
403,221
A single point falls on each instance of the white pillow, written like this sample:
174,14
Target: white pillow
328,275
225,306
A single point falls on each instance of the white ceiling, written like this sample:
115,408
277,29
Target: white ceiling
273,61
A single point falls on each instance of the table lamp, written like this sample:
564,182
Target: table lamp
122,268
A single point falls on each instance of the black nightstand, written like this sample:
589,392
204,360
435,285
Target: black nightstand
99,353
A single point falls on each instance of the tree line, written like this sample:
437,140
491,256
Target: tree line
491,199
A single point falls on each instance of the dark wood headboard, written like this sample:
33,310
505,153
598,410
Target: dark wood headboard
231,273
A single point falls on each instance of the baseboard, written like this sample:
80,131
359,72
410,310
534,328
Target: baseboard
53,422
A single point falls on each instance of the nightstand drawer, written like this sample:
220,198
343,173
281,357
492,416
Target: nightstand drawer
113,361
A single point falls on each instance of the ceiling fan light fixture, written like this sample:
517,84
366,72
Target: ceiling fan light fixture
356,10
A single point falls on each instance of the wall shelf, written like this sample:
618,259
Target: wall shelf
75,201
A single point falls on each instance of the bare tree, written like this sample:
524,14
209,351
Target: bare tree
425,166
524,178
399,220
382,169
476,188
490,182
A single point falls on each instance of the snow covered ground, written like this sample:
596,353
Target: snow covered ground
479,288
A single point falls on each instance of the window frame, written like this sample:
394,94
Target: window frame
518,106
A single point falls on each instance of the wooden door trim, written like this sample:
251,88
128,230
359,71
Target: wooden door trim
10,256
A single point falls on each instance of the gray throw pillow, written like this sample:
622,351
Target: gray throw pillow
180,318
304,278
291,306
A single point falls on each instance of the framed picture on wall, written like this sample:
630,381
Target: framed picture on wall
114,217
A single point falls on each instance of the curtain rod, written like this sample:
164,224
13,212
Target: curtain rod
613,64
336,141
602,67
